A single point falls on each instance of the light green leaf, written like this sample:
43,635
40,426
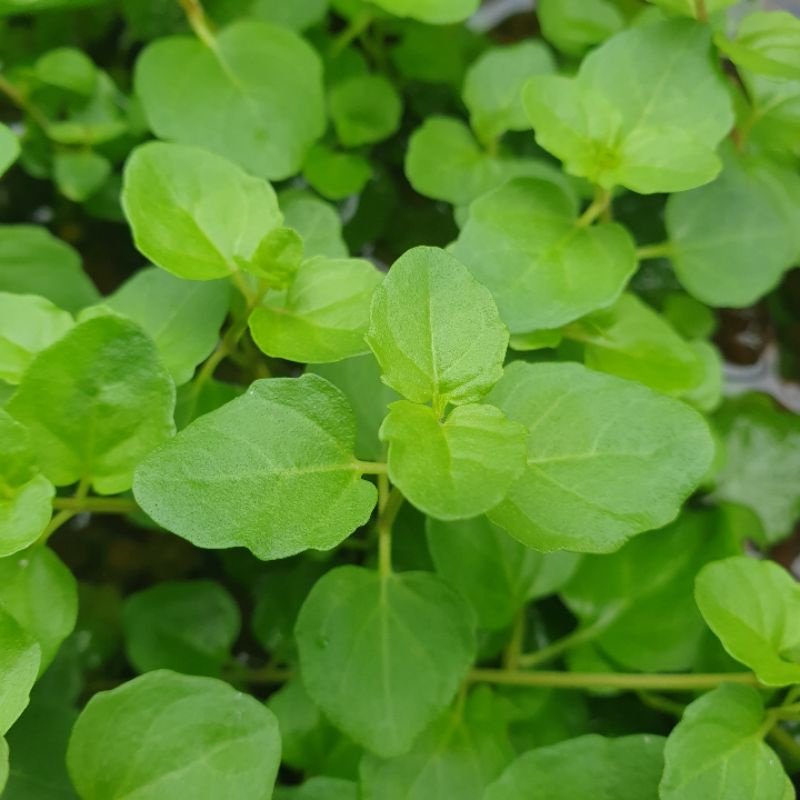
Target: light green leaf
80,173
20,657
522,242
493,84
716,751
494,572
767,43
443,161
33,261
435,330
633,341
731,241
178,736
639,601
434,12
282,479
454,468
28,324
690,318
646,110
760,461
9,148
295,14
67,68
376,672
754,609
182,317
255,97
186,626
774,118
364,109
359,378
336,175
42,595
607,458
455,759
320,788
689,7
96,403
574,26
277,257
707,394
193,213
316,221
586,768
322,316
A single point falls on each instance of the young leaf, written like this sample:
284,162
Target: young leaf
42,596
255,97
28,324
194,213
493,87
32,261
322,316
435,330
79,174
454,468
277,257
716,751
186,626
336,175
653,128
316,221
20,657
754,609
169,735
586,768
96,403
376,672
295,14
760,458
434,12
364,109
494,572
574,26
551,270
272,471
455,759
607,458
9,152
767,43
182,317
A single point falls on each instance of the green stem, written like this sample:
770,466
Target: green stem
598,207
700,10
96,505
372,467
613,680
389,503
662,704
513,652
357,25
22,102
660,250
786,742
196,16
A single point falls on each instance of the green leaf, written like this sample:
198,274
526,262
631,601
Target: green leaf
434,12
731,241
255,97
9,148
760,455
193,213
42,595
80,173
376,672
631,340
652,127
32,261
322,316
689,7
552,270
639,600
494,572
493,87
3,763
716,751
282,478
690,318
28,324
67,68
336,175
754,609
316,221
182,317
168,735
455,759
95,403
607,458
295,14
186,626
364,109
359,378
574,26
454,468
20,657
435,330
277,257
767,43
443,161
774,118
320,788
586,768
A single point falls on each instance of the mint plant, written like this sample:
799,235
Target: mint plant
369,415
